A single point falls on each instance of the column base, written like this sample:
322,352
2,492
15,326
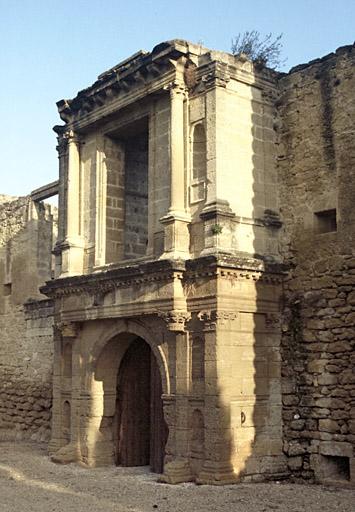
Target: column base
176,236
218,220
54,445
72,256
215,473
66,454
176,472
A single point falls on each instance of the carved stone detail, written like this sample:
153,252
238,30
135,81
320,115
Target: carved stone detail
176,88
68,329
218,75
211,318
272,320
175,320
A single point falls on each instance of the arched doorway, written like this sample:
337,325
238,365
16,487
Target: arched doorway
141,431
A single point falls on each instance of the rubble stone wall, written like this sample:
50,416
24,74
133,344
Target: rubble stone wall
316,162
26,319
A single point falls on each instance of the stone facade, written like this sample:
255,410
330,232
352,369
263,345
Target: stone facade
26,319
203,295
157,243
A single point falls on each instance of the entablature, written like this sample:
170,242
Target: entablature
148,73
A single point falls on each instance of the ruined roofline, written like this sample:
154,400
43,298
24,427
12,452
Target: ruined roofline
342,50
5,198
135,67
149,72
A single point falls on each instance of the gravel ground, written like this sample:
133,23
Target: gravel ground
29,481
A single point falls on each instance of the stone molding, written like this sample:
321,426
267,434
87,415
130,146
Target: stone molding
217,75
175,320
212,318
108,280
152,70
68,329
176,88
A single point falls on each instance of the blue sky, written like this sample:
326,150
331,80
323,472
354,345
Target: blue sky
50,49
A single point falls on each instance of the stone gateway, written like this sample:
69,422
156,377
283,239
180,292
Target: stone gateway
203,296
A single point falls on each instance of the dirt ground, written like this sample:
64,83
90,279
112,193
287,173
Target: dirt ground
29,481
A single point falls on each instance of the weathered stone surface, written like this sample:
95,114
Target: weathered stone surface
26,318
162,241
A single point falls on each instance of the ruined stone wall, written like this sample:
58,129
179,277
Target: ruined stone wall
316,162
26,238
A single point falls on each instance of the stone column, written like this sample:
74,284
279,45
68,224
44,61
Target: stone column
176,467
73,245
175,222
217,468
101,199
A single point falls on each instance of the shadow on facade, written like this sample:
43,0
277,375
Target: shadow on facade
250,360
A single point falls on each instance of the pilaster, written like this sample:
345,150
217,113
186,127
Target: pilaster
217,468
71,248
176,467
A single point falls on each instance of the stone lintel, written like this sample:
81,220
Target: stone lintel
46,191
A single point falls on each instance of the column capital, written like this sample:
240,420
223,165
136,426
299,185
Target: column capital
175,320
177,89
72,137
68,329
212,318
65,138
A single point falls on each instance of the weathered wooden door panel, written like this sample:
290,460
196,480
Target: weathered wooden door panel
134,406
142,431
158,427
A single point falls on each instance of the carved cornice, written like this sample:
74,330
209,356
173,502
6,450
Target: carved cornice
212,318
176,320
217,75
136,72
125,277
235,268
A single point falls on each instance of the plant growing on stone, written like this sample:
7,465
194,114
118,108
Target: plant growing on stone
264,51
216,229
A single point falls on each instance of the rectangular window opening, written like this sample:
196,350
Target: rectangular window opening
325,221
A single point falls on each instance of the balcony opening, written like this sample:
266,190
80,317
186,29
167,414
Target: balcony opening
131,223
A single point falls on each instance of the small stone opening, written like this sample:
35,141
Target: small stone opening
335,467
66,413
325,221
7,289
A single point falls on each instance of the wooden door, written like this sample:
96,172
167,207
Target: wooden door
134,406
142,432
158,427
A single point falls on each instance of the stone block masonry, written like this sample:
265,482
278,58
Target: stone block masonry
316,189
26,319
205,267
